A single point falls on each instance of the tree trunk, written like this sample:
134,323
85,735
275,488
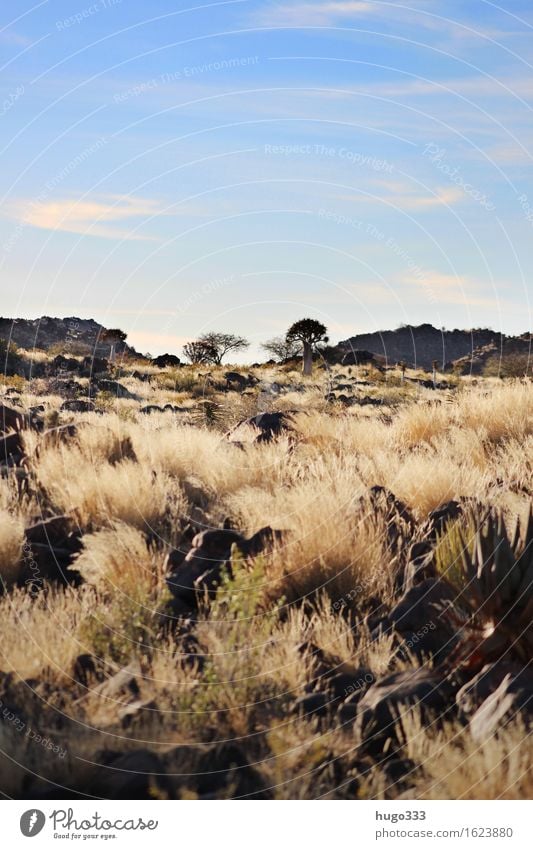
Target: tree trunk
307,359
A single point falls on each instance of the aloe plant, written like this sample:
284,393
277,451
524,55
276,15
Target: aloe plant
492,574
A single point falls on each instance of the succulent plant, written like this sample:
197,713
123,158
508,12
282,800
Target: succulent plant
492,574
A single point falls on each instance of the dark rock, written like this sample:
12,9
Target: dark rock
472,694
315,704
513,699
78,405
166,361
114,388
53,543
225,771
439,518
261,428
151,408
419,621
86,669
387,700
94,365
420,564
11,449
61,364
11,419
201,567
135,775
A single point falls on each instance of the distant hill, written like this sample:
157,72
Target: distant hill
79,335
418,346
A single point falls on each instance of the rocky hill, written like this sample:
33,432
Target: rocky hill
418,346
78,335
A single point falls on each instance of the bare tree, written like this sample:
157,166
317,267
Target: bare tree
211,348
307,333
280,348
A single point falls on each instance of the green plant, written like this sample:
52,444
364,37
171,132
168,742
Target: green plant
492,574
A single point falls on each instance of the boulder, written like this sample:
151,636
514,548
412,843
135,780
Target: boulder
51,547
386,701
472,694
78,405
11,419
513,699
166,361
114,388
61,364
261,428
11,449
139,774
93,365
418,619
201,567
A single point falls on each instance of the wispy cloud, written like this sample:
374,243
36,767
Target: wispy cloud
404,196
89,217
451,289
310,14
9,36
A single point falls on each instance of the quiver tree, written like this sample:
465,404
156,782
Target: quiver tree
307,333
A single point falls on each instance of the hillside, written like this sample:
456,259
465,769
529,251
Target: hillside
419,345
72,334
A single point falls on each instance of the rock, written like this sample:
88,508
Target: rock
235,380
417,618
420,564
53,544
79,405
225,771
472,694
166,361
151,408
397,694
11,449
90,366
201,567
512,699
439,518
11,419
114,388
135,775
67,388
121,686
61,364
359,357
314,704
88,668
261,428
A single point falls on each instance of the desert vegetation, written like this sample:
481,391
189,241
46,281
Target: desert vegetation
260,583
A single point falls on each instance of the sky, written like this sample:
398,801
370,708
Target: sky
173,168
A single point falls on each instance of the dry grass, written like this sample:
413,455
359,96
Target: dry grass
133,482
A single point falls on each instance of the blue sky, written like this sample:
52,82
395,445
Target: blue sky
172,168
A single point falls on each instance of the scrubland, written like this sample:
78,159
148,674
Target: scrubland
216,700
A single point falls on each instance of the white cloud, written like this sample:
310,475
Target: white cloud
88,217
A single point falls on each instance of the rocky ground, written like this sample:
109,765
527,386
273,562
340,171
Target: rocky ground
239,583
